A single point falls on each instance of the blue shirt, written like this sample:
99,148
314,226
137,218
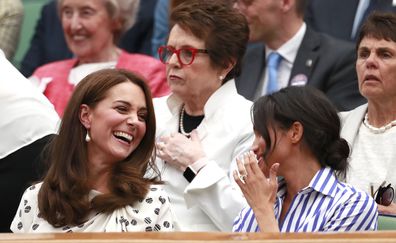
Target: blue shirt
324,205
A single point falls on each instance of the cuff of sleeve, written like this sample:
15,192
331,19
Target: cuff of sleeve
199,164
209,176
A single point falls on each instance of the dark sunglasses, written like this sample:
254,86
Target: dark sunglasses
384,194
185,55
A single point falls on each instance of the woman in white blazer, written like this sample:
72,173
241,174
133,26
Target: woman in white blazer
371,128
204,124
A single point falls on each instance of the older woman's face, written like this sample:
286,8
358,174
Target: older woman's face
376,69
199,79
117,124
87,26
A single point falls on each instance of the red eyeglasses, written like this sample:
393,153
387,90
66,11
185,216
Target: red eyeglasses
185,55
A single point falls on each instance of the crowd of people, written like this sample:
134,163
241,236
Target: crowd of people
201,115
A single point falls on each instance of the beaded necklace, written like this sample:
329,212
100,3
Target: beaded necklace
378,130
187,134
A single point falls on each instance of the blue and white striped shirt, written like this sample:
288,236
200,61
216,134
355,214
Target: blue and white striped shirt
325,205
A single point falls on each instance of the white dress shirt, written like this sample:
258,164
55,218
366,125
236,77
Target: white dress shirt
288,51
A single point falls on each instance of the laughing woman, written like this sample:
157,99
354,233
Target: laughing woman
96,181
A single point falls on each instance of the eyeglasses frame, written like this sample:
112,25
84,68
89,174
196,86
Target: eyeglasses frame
193,50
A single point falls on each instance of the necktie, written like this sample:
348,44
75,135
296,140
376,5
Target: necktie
362,11
273,64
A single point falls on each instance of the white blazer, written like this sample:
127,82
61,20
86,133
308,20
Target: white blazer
212,200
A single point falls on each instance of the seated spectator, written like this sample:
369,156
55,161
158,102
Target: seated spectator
291,53
48,42
343,19
297,138
91,30
11,16
204,124
98,178
27,123
371,128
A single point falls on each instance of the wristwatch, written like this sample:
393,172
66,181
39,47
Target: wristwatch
189,174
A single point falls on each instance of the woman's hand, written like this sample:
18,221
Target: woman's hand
180,151
391,209
260,191
257,188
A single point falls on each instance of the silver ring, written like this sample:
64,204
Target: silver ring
242,177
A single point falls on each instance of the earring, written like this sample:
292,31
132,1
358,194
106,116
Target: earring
221,77
87,138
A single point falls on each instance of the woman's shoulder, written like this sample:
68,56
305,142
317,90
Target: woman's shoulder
54,67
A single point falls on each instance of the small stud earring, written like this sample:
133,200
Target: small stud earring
87,138
221,77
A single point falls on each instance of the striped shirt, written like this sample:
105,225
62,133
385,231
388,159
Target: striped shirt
325,205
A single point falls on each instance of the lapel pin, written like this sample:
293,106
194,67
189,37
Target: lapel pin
308,63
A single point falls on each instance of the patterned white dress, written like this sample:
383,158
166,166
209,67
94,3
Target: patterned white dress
151,214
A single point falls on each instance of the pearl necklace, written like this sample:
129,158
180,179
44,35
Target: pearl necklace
187,134
378,130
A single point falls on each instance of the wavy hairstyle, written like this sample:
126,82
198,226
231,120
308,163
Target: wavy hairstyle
318,117
63,198
123,10
223,29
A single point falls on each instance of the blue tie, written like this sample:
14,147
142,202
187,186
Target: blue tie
362,11
273,63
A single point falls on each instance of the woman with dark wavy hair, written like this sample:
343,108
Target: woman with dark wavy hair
297,137
98,179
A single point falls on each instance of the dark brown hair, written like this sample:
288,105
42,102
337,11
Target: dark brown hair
379,26
223,29
318,117
63,198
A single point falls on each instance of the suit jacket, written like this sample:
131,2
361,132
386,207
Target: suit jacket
325,62
48,43
336,17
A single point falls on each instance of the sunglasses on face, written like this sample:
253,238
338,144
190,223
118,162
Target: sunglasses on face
384,194
185,55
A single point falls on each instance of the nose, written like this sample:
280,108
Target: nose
371,61
132,120
75,22
173,60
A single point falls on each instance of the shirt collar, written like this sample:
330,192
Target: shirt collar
324,182
289,49
220,96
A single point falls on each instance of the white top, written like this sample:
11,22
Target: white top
377,163
26,114
288,51
151,214
212,200
373,159
81,71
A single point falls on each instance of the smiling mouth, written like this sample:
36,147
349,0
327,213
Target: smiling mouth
123,136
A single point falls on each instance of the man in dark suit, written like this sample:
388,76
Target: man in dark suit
307,57
337,17
48,43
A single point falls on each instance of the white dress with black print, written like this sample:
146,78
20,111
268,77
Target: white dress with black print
151,214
